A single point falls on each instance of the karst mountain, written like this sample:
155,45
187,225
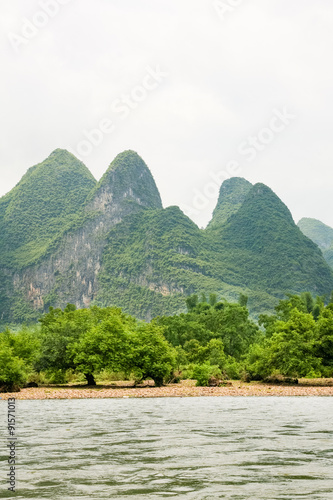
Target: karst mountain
66,238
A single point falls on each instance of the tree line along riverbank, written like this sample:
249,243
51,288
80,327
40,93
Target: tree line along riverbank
213,342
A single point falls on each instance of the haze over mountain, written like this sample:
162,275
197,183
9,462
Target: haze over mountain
66,238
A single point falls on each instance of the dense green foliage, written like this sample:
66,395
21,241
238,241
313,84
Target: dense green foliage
224,321
153,357
19,351
320,234
232,195
47,200
90,340
267,249
298,340
58,224
153,258
213,341
123,175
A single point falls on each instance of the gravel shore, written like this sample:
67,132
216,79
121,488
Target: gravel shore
185,389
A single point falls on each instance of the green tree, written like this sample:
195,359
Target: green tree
192,302
13,370
196,353
106,345
303,303
232,325
180,329
212,353
286,306
290,350
324,336
25,344
212,299
19,351
243,300
215,353
62,331
180,357
225,321
153,357
204,372
307,298
257,362
319,306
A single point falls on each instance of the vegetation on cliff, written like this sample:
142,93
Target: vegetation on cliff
321,234
66,238
48,199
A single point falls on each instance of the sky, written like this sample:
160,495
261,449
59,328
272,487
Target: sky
203,90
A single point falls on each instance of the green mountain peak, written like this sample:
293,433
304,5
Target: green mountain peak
128,179
261,214
275,253
66,238
232,195
48,197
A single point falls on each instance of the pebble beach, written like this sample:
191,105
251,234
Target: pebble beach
185,389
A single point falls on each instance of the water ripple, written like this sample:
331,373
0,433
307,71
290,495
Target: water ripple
190,448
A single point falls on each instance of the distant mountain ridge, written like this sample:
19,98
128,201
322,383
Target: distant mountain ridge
276,256
67,238
321,234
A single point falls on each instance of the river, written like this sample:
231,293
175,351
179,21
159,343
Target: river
186,448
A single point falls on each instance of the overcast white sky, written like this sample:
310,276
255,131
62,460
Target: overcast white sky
228,68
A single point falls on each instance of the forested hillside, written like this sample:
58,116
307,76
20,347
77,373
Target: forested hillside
48,199
66,238
321,234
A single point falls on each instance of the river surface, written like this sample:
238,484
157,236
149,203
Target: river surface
186,448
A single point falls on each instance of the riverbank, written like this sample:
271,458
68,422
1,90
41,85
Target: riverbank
186,388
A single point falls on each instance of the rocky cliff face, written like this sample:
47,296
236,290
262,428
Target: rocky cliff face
68,271
64,238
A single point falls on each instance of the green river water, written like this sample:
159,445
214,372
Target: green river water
186,448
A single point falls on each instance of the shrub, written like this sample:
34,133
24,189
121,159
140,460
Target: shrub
55,377
233,369
204,373
13,372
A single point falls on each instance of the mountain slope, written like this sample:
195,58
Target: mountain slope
155,258
270,251
48,198
321,234
66,268
317,231
67,238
